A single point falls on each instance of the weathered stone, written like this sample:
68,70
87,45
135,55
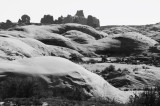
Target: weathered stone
80,19
93,21
80,13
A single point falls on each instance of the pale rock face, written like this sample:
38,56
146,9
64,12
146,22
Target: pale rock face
15,48
135,77
67,39
79,37
137,37
64,73
32,47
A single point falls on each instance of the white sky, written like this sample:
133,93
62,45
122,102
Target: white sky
110,12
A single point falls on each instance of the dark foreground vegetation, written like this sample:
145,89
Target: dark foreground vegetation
55,101
150,97
30,91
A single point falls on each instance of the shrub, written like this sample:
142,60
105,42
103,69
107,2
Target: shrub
104,58
109,69
151,97
24,101
23,88
92,61
125,71
75,58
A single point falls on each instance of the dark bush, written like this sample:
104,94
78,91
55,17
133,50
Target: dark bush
75,58
109,69
92,61
151,97
23,88
23,101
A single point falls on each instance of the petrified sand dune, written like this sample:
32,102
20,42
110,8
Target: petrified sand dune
78,39
134,77
136,37
32,48
65,75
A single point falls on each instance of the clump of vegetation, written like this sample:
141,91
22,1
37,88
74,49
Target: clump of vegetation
56,101
29,91
109,69
104,58
23,102
34,87
23,88
75,58
110,72
150,97
92,61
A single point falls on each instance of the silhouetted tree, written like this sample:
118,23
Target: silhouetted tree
47,19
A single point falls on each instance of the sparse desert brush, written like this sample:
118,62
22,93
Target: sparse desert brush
23,88
109,69
75,58
135,69
125,71
150,97
92,61
110,72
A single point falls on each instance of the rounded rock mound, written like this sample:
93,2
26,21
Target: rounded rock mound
64,77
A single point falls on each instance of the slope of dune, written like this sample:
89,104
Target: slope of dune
150,30
59,29
15,48
65,75
12,48
136,37
131,76
83,39
78,39
29,51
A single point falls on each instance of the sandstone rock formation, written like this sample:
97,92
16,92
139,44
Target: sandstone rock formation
93,21
66,39
80,19
80,13
27,51
47,19
134,76
64,77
